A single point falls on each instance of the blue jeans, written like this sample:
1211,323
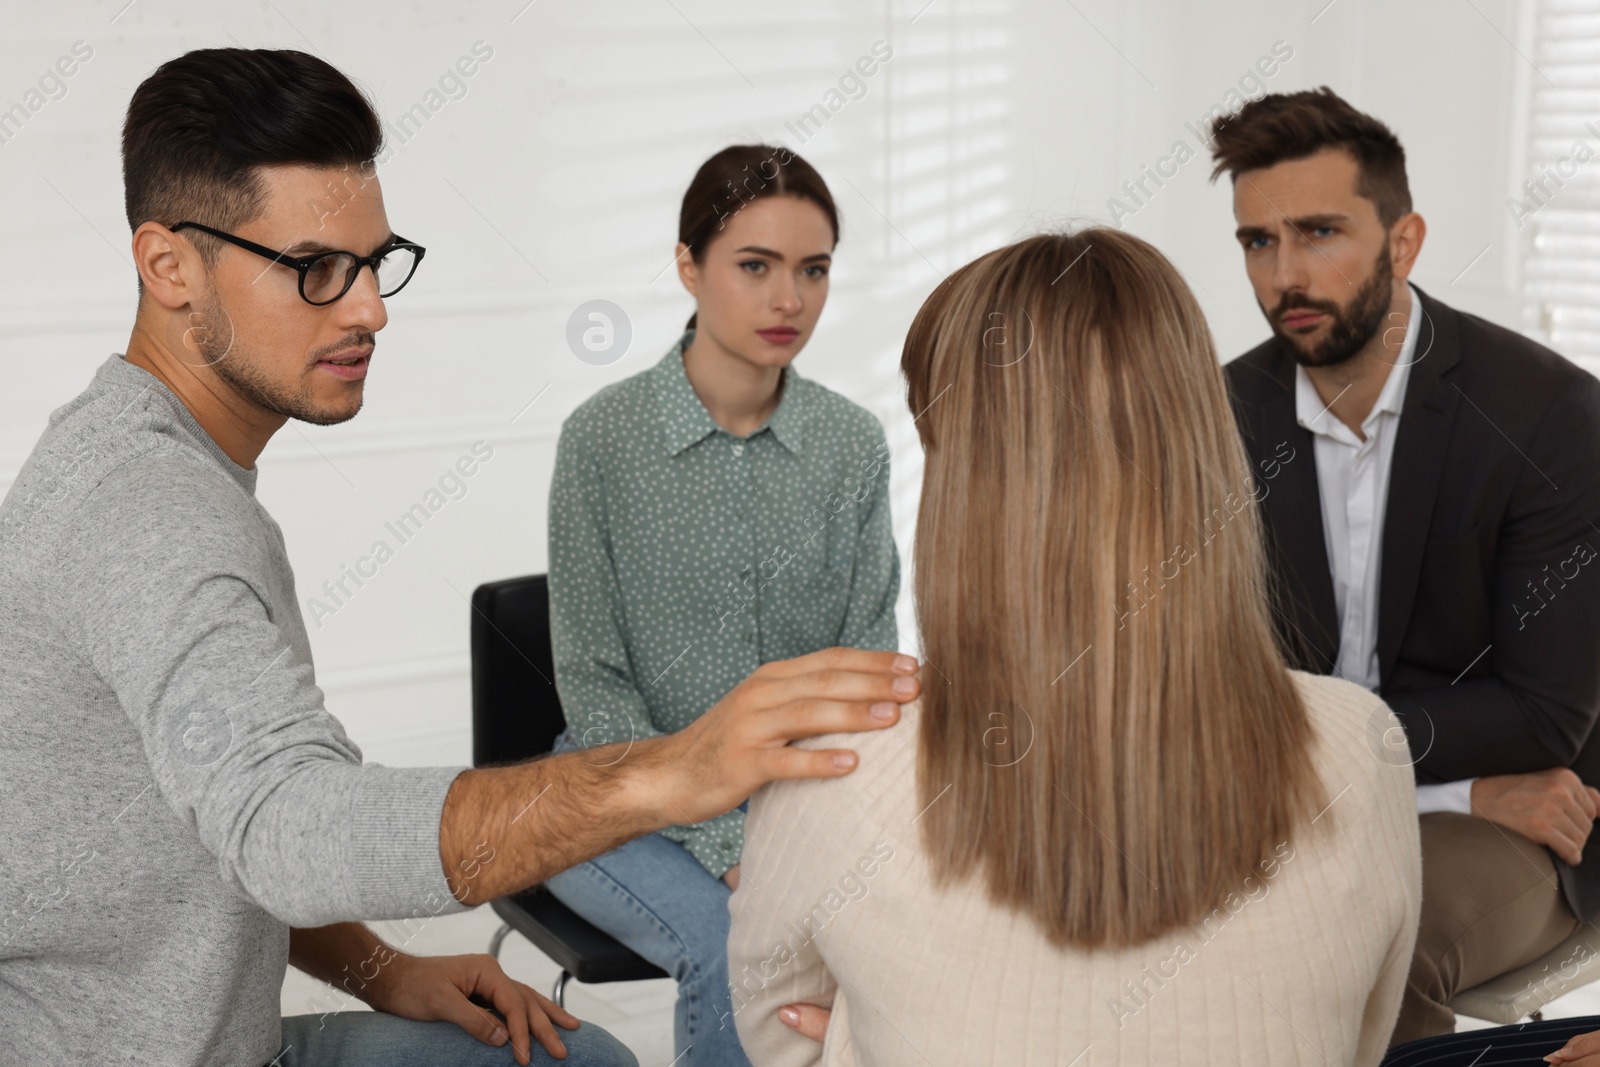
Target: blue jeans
375,1039
654,897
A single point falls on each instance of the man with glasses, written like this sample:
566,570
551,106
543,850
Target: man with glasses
181,815
328,274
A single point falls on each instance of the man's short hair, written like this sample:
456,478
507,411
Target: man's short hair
1287,126
199,128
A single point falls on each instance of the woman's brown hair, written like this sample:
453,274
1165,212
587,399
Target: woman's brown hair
1090,591
738,175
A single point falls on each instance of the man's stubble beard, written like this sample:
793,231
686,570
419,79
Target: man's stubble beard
243,372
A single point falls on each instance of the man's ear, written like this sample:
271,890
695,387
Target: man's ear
688,270
1405,243
169,266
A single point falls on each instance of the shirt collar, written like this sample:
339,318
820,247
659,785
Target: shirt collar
687,422
1311,413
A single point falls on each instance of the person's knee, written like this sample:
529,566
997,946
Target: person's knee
593,1046
704,960
1429,977
377,1037
590,1045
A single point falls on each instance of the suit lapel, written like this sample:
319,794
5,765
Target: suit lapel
1420,449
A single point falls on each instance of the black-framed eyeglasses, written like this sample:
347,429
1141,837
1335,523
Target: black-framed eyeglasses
326,276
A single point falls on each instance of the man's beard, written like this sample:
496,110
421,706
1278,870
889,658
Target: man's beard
217,343
1353,325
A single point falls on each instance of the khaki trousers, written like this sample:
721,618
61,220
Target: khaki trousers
1491,903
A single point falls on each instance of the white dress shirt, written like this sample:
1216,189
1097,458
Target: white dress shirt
1353,478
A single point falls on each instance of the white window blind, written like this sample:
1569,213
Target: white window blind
1557,207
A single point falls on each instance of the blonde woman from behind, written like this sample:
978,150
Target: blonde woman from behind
1116,828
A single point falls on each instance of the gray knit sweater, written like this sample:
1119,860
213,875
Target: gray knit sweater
173,794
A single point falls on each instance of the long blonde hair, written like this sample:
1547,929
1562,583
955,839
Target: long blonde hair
1109,734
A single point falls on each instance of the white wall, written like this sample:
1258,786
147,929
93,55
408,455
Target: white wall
556,180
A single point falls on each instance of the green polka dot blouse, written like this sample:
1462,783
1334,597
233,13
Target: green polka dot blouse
682,556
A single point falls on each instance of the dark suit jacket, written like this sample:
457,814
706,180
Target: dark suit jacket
1489,592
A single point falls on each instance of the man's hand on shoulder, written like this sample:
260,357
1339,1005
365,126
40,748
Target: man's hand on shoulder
742,742
1553,808
590,802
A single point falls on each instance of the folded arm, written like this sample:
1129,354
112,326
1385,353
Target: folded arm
875,576
600,695
1541,696
771,963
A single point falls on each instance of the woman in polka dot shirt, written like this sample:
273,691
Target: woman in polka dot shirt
707,515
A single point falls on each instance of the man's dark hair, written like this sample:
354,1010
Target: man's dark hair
1287,126
200,126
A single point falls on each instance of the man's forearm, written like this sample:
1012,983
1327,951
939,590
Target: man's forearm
347,956
506,828
1447,726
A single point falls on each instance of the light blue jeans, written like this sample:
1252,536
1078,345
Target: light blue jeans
375,1039
654,897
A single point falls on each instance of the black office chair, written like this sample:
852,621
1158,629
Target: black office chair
516,715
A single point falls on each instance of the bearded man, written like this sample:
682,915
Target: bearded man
1433,508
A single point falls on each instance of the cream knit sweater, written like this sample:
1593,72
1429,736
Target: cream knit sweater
1305,964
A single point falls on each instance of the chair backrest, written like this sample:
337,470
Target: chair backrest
516,713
